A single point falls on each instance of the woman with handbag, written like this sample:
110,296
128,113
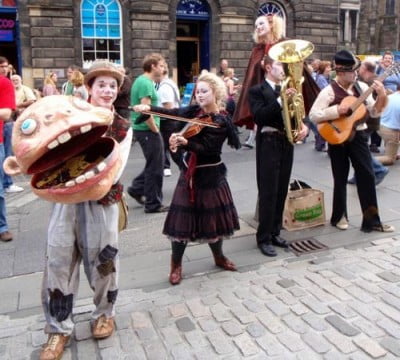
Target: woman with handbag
202,207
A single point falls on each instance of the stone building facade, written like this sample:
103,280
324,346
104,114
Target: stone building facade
191,34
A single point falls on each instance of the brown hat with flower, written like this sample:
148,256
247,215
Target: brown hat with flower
345,61
103,68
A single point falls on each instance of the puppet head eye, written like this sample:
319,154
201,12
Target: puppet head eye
28,126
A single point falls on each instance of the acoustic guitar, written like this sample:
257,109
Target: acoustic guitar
343,128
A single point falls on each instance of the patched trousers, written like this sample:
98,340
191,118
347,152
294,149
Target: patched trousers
85,232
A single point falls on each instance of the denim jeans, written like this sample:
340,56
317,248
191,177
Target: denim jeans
7,133
3,220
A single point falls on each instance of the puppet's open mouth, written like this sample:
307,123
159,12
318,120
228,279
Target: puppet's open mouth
73,158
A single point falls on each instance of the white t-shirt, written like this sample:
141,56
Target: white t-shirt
168,92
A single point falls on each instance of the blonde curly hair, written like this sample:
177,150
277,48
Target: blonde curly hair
217,85
276,25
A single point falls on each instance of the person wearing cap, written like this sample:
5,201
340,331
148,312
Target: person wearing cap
88,232
329,106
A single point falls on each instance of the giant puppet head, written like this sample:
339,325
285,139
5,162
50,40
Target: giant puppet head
59,141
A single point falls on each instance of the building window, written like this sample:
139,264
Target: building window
348,25
273,8
101,31
390,7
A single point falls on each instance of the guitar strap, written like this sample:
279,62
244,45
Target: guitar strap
359,90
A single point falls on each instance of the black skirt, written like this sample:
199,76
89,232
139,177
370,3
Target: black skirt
212,215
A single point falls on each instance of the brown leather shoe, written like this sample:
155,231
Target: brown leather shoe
225,263
175,276
103,327
6,236
54,348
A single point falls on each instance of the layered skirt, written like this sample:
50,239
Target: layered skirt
211,216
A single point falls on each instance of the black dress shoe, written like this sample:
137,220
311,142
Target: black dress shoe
139,198
161,209
278,241
267,249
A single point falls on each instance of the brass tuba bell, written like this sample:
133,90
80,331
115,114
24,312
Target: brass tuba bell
292,53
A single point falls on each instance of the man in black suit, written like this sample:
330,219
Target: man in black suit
274,154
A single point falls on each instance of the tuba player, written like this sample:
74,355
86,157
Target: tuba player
274,154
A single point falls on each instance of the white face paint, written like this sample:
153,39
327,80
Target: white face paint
262,26
104,91
204,94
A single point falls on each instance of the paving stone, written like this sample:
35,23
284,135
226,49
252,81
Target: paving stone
38,338
391,344
271,346
271,322
146,334
371,347
360,294
208,324
322,260
287,298
382,263
209,300
273,288
390,327
122,321
83,331
286,283
297,291
171,336
140,320
389,276
110,353
260,292
220,343
368,328
185,324
372,278
255,330
86,349
327,273
341,342
391,300
341,325
333,355
246,345
129,342
389,241
161,317
337,292
242,314
299,309
307,354
253,306
391,288
111,341
292,341
229,300
180,352
178,310
368,286
204,353
295,323
232,328
315,278
242,293
343,310
316,342
155,350
197,308
316,322
316,306
389,311
277,307
320,294
345,274
364,310
196,339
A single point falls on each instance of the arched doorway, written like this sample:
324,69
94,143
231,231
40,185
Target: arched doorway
192,39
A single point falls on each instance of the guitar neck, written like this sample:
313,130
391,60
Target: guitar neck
368,92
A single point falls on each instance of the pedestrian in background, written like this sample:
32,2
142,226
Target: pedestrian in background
50,84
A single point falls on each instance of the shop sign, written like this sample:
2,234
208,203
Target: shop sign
193,8
7,27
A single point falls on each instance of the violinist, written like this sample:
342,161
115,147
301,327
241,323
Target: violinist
202,207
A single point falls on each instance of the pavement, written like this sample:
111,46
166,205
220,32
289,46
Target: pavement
340,303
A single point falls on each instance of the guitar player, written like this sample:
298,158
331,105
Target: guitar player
329,106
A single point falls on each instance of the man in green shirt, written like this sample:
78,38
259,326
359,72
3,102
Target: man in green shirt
146,188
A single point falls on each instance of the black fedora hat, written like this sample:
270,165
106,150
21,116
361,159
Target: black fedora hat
344,60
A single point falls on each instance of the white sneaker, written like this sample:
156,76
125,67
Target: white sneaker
342,224
14,189
167,172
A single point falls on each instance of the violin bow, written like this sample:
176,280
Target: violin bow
196,121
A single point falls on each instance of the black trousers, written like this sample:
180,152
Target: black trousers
358,153
274,159
149,182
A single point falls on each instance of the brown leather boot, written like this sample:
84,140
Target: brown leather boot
225,263
103,327
54,348
175,276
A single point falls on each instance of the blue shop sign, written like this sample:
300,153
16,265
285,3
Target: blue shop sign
193,9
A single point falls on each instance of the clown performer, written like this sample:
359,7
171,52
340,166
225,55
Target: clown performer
59,140
202,207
